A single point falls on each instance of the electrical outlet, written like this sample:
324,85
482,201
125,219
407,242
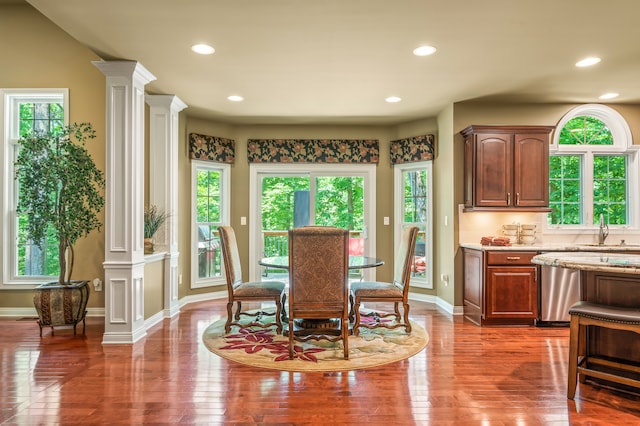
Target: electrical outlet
97,284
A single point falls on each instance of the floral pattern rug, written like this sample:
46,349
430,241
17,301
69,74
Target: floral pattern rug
264,348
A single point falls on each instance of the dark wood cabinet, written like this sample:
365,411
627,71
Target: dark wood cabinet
500,287
506,167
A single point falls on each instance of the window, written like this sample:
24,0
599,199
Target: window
210,209
24,112
592,169
413,204
284,196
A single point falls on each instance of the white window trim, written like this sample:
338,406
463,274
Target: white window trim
623,143
225,201
9,131
257,170
398,200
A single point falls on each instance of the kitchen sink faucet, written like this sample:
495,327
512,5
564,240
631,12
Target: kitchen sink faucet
604,230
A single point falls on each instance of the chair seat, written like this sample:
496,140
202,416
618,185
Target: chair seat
259,289
606,313
375,289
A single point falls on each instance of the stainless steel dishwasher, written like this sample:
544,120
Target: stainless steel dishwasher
559,289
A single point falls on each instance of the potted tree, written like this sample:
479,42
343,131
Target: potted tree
61,197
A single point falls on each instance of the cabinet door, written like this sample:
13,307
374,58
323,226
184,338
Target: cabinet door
494,170
469,170
531,170
512,292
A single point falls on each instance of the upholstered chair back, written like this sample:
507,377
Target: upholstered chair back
404,258
231,256
318,269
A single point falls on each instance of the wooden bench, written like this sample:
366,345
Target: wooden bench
584,314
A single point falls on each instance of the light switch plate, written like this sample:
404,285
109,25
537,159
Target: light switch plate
386,220
243,220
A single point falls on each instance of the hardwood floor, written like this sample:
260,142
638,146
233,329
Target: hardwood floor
467,375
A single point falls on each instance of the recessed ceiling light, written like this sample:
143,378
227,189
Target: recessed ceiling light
393,99
424,50
609,96
203,49
587,62
235,98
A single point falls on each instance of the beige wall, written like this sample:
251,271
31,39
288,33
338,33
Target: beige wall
153,288
36,53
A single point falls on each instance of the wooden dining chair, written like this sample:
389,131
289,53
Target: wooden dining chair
318,285
396,292
239,291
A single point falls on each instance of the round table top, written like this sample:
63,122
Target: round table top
355,262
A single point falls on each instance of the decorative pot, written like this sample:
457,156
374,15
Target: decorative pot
148,246
61,304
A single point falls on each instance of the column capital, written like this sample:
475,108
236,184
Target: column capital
125,69
171,102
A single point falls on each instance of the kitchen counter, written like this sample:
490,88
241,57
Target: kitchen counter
618,263
573,247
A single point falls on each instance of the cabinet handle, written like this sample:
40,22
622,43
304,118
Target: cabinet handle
517,198
508,198
513,257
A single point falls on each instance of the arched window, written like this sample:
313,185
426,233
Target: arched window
593,170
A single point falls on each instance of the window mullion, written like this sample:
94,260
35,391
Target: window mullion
587,186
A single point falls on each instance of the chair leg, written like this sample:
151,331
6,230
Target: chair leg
345,338
397,310
291,333
284,317
407,323
239,309
227,325
573,356
351,313
356,325
278,313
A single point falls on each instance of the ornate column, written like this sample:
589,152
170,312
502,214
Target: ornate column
124,251
163,186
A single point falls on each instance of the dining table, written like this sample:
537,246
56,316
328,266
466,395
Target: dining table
282,262
355,262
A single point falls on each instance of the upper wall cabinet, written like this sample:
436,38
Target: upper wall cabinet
506,168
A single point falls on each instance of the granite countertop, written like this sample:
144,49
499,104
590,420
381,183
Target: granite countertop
572,247
592,261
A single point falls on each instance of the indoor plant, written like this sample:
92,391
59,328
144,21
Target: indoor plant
153,220
61,195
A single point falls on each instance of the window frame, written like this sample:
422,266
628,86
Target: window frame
225,201
10,131
398,184
622,145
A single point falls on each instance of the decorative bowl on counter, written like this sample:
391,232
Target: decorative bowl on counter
527,239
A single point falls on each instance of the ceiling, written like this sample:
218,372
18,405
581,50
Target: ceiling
335,61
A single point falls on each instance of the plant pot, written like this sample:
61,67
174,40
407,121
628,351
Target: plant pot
148,246
61,304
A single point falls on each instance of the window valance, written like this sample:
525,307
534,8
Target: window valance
313,151
211,148
410,150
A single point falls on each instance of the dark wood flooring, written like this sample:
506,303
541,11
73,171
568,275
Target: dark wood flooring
467,375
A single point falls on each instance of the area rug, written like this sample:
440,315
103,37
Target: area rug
264,348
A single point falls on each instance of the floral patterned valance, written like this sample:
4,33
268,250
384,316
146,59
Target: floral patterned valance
313,151
211,148
410,150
